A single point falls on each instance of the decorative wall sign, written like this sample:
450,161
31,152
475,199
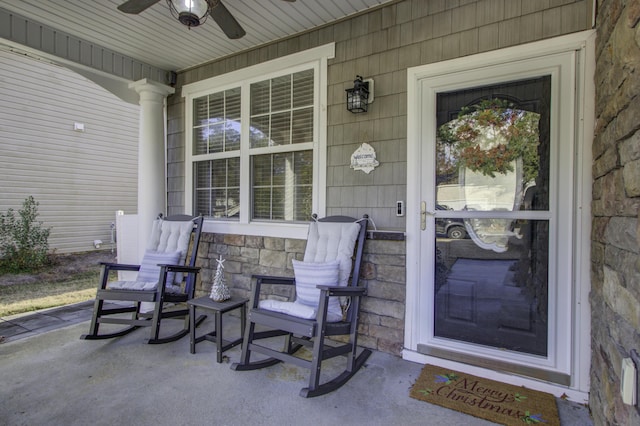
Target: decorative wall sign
364,158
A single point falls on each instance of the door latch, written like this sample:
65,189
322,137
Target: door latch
423,215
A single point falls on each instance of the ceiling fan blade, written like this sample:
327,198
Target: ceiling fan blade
136,6
226,21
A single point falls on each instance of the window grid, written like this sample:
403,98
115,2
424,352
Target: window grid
216,122
279,118
217,188
282,110
282,186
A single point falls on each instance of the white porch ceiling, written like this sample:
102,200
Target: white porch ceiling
156,38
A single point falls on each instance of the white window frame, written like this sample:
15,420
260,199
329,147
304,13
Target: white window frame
316,59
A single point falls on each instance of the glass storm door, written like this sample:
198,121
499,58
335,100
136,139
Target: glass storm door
492,164
495,231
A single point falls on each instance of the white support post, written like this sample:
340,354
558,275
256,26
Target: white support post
151,155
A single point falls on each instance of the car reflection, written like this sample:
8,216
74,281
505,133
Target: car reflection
452,228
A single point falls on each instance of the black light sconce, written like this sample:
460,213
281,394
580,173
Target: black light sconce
360,96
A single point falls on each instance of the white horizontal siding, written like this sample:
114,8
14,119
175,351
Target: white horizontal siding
79,178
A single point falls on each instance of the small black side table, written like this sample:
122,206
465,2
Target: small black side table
218,308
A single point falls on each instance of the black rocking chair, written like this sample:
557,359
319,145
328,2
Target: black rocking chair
324,281
167,275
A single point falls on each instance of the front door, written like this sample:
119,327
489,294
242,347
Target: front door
495,231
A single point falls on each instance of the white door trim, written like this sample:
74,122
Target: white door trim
576,364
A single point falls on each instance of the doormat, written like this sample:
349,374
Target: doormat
490,400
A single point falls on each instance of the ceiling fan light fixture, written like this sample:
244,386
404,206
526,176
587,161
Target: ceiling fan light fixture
191,13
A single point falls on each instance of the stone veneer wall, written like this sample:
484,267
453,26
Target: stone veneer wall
615,295
382,311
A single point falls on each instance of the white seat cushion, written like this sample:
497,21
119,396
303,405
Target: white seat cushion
296,309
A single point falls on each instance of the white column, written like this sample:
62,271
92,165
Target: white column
151,156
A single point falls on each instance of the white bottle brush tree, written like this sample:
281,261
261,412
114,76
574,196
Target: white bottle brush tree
219,290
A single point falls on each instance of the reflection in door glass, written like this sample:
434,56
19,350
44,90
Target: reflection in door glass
491,155
494,299
491,274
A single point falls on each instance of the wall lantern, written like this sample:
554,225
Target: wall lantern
360,96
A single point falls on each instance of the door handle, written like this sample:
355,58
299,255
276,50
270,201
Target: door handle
423,215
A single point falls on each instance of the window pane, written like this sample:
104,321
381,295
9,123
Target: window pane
200,140
232,136
216,138
304,168
279,191
233,172
302,127
303,88
303,203
200,111
218,198
216,107
260,97
217,190
259,132
280,129
262,203
203,203
233,203
219,174
281,93
232,111
202,175
277,203
283,170
261,174
216,122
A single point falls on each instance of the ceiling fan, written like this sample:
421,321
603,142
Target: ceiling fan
193,13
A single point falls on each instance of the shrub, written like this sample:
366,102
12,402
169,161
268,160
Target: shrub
24,242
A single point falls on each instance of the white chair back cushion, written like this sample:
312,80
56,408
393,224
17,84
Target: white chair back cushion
329,241
171,236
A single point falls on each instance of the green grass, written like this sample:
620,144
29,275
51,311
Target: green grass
28,297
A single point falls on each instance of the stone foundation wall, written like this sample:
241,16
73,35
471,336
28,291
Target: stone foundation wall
615,295
383,274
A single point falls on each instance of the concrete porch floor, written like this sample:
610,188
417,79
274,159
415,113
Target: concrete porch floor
50,376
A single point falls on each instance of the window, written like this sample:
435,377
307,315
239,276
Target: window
216,129
257,145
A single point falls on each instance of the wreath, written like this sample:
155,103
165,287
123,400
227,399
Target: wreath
488,136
